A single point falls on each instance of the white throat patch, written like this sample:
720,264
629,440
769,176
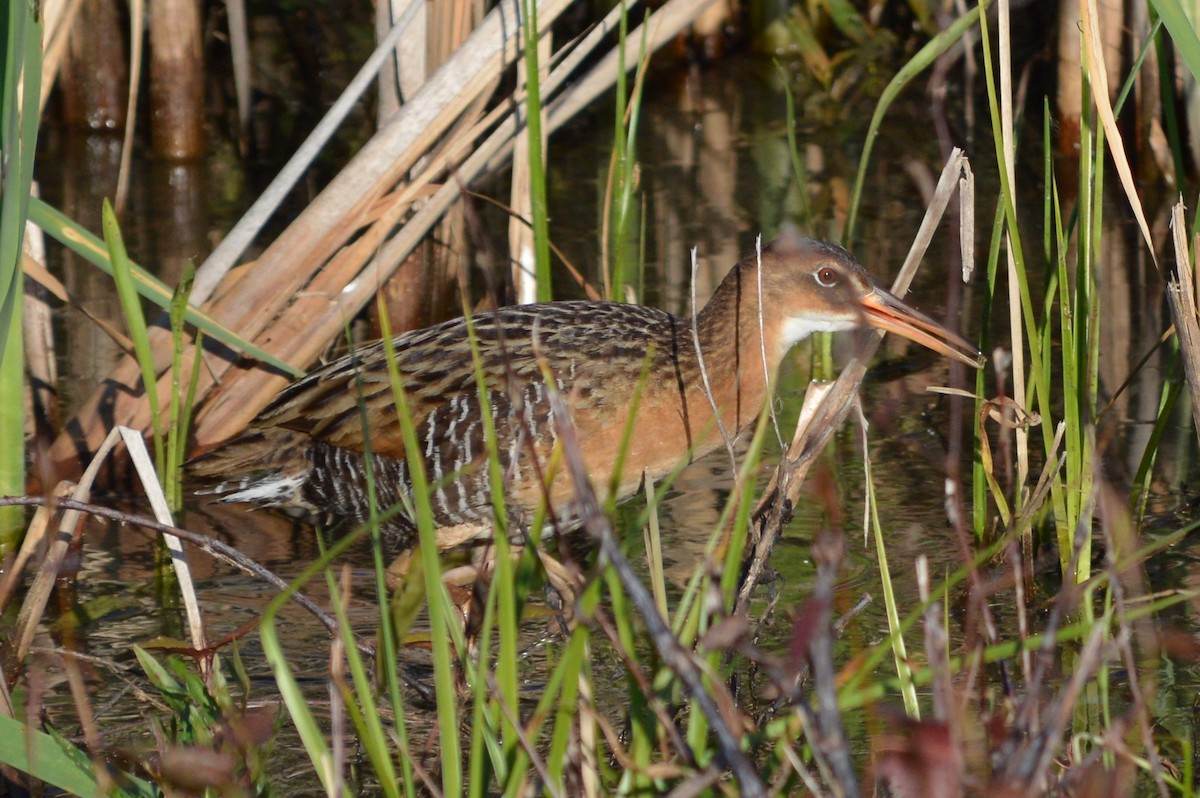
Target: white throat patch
795,330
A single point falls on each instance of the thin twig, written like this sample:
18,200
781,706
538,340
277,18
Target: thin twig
708,391
652,699
830,739
762,337
216,548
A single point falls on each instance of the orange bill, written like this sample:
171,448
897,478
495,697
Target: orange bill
887,312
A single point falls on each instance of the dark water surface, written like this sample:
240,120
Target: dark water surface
715,174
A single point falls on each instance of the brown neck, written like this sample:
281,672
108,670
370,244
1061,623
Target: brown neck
740,369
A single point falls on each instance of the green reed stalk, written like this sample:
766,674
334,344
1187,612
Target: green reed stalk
612,261
857,692
180,408
83,243
643,724
741,503
691,615
1187,780
1139,493
621,210
537,156
360,702
1082,382
1040,365
442,623
371,731
483,715
571,670
652,534
1073,632
984,480
1165,54
915,66
503,590
22,63
1162,420
311,736
903,671
798,171
879,652
135,320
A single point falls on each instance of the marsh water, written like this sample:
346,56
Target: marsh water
715,172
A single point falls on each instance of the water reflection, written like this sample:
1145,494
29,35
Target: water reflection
89,174
173,218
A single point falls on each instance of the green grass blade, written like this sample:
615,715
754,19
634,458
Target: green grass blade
917,64
131,308
18,142
1182,30
12,424
179,407
851,699
799,172
57,763
903,672
92,249
572,668
289,687
540,210
611,259
508,594
623,169
1140,494
38,754
366,718
389,660
442,622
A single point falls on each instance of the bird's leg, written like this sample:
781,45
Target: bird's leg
562,581
562,588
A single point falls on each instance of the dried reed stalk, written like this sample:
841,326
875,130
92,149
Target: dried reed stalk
288,266
296,298
1181,297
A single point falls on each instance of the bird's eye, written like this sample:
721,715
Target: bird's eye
827,276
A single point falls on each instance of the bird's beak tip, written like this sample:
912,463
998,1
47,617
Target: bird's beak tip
887,312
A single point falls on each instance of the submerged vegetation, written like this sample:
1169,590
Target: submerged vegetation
1043,653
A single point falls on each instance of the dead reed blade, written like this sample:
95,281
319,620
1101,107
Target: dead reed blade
34,605
288,274
1181,297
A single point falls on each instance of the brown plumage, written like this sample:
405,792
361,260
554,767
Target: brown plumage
306,448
